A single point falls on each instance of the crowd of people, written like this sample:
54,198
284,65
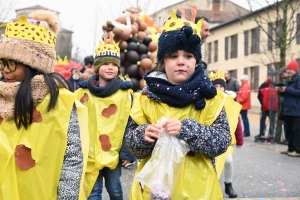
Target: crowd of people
60,139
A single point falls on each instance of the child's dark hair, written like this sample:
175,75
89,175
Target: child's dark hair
24,104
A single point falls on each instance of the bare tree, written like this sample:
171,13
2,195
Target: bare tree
5,9
279,21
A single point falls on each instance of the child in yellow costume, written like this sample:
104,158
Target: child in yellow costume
218,80
108,99
40,144
178,89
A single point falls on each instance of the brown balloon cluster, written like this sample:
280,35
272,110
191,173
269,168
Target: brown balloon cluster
137,48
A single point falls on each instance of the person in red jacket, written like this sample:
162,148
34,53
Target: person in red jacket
268,99
244,98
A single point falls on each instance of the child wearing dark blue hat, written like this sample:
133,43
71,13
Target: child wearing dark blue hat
178,90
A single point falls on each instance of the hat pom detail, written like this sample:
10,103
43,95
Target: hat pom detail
50,17
194,40
180,37
187,30
200,104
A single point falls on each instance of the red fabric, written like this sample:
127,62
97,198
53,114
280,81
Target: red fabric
244,95
293,64
266,94
239,136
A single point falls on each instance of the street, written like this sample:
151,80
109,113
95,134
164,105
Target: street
260,171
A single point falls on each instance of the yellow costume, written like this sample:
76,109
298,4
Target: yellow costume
107,122
36,152
198,179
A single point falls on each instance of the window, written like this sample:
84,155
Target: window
254,77
209,53
246,38
298,28
216,51
255,40
245,71
233,73
278,33
270,36
233,46
226,48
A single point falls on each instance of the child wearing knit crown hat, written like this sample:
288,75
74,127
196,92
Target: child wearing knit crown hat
197,114
41,148
108,99
218,80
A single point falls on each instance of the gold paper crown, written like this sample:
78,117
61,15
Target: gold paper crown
216,75
30,31
108,48
176,23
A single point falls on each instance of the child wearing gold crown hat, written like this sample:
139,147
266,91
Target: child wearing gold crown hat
41,149
218,80
108,99
197,114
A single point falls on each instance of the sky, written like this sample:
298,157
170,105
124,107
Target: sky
80,16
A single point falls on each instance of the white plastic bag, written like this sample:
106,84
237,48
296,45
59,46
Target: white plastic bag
161,171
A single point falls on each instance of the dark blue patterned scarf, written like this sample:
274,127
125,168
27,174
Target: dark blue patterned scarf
197,88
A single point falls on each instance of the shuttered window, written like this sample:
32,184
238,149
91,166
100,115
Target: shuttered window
246,42
270,35
298,28
216,51
226,48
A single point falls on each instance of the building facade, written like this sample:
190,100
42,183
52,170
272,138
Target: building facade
64,39
250,44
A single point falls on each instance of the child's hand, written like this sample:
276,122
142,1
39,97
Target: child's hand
152,132
172,126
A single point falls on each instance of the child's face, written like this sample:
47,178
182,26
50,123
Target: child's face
12,71
179,66
219,87
108,71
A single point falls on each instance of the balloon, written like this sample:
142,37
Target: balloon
153,55
142,49
142,83
136,84
147,40
142,56
146,63
133,70
149,21
123,45
121,19
133,39
152,46
143,26
141,71
132,56
122,57
125,34
134,29
132,46
141,35
117,31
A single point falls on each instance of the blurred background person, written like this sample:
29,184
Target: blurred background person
291,108
244,98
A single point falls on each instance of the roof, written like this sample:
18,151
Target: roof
252,13
36,7
63,30
213,16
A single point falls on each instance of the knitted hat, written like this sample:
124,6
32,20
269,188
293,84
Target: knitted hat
108,51
244,77
293,64
179,34
217,78
32,40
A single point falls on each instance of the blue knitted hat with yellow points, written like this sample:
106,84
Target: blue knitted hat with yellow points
179,34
